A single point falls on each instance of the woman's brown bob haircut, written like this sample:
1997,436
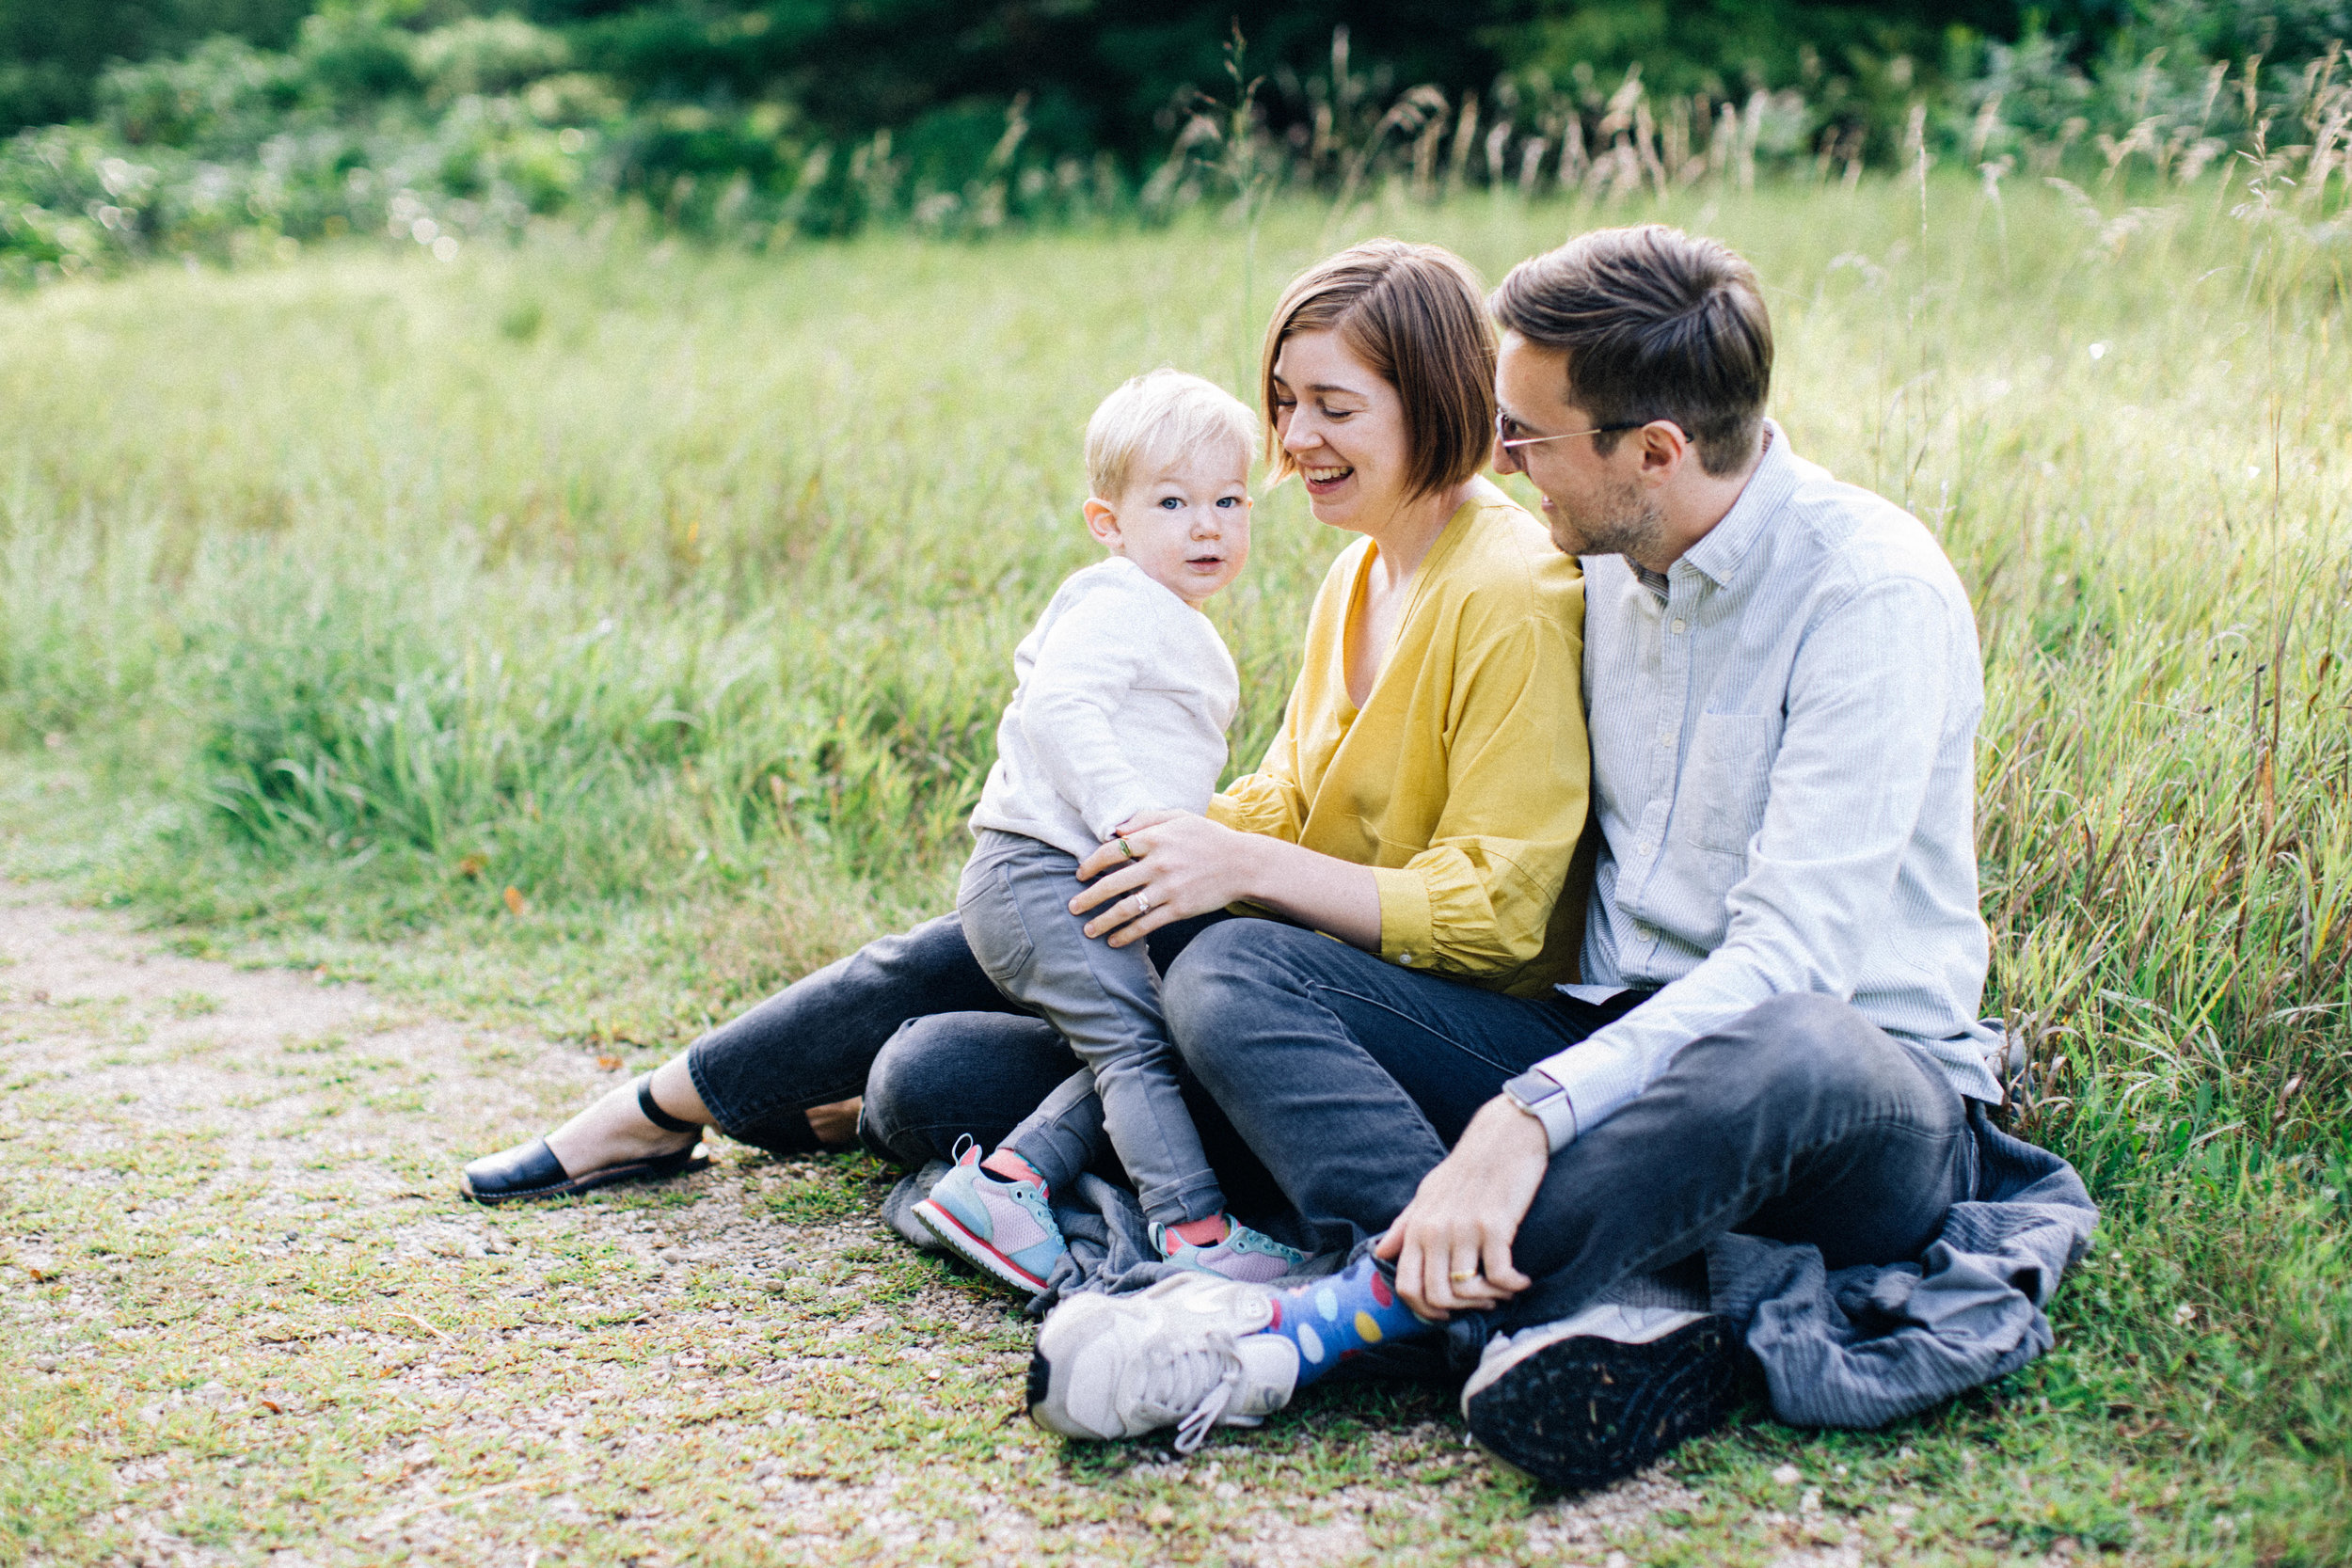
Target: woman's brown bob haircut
1657,325
1413,314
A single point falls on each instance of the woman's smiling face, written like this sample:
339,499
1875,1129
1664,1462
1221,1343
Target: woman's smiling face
1342,425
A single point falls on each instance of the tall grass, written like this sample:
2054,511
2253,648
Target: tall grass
603,573
638,578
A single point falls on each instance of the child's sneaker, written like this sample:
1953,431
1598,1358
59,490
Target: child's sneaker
1002,1226
1244,1254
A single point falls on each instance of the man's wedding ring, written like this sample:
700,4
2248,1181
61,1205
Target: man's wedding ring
1462,1276
1127,849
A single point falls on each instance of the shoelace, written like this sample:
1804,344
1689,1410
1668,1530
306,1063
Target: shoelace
1174,1375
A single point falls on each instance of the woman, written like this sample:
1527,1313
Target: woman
1422,802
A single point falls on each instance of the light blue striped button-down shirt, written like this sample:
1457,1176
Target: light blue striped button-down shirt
1782,728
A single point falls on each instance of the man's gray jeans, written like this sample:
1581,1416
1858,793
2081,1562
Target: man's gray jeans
1015,903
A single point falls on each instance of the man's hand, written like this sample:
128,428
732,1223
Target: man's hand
1462,1220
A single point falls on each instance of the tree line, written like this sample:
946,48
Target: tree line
207,125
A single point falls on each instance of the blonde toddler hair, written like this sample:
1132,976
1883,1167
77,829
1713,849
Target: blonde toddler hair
1143,426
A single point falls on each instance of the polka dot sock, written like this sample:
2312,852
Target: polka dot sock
1339,1317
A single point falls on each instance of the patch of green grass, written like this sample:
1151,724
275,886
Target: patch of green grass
688,618
848,1189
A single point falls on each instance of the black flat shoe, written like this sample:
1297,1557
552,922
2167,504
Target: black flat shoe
529,1172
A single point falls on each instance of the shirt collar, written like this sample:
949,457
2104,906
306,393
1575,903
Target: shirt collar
1718,555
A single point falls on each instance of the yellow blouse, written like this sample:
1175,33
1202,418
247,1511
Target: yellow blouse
1463,781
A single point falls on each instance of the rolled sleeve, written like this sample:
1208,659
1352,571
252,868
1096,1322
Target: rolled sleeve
1406,924
1469,910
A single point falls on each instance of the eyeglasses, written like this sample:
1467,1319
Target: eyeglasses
1505,425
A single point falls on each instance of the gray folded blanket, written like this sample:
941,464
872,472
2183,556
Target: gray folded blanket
1860,1347
1869,1345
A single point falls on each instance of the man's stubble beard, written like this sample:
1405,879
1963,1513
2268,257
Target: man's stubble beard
1631,524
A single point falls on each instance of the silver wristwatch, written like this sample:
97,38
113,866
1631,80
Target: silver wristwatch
1547,1103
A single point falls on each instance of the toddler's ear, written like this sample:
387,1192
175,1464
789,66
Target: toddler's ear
1103,522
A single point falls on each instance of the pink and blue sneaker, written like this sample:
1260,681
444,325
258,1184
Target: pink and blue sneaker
1002,1227
1244,1254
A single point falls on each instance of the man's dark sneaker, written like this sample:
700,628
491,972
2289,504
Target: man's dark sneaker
1591,1399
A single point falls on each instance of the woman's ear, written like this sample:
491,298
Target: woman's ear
1103,522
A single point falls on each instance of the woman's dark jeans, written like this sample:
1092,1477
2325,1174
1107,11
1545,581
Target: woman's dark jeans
813,1042
914,1024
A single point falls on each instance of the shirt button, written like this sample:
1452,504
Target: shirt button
1680,628
1403,958
1645,933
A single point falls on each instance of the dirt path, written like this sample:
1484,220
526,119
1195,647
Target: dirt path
244,1320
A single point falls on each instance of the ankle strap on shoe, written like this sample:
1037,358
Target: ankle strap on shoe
655,1115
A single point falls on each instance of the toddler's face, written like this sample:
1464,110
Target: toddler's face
1188,526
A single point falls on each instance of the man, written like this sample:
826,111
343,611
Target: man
1777,1030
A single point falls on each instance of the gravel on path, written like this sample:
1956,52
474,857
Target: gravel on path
246,1318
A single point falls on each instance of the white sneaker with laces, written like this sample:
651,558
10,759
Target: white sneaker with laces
1186,1354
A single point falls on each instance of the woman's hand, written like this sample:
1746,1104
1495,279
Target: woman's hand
1452,1246
1164,865
836,1125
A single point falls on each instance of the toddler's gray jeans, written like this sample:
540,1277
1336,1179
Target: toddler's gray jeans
1014,905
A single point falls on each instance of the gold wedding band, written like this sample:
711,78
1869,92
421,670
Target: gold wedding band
1462,1276
1127,849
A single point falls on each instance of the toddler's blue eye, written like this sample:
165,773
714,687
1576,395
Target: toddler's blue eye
1170,502
1229,500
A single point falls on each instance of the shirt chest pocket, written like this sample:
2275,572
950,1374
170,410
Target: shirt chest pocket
1726,779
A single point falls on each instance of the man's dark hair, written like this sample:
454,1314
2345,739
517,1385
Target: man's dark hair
1657,325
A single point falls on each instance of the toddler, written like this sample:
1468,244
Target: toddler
1123,693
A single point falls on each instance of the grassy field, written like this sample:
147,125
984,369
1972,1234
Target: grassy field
589,636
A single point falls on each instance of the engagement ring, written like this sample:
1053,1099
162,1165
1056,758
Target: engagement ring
1143,903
